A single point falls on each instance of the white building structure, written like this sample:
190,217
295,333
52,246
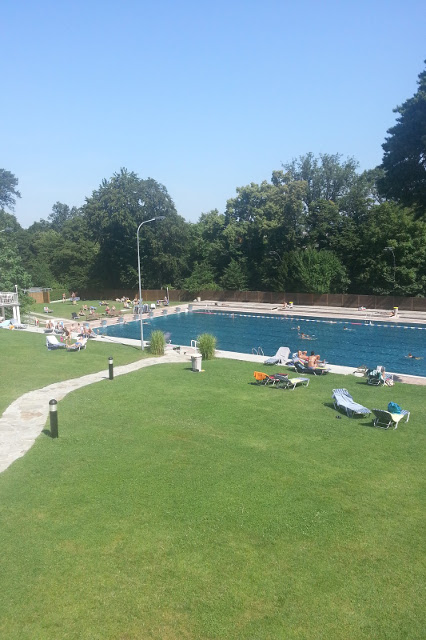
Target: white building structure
10,299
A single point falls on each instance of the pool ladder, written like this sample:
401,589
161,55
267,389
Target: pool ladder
258,351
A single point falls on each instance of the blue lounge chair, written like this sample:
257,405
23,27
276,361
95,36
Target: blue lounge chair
343,400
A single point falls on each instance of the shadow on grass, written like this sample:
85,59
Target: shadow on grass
48,433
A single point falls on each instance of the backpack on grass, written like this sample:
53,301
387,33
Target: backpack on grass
394,408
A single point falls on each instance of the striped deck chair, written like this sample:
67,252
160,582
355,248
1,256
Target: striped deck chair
343,400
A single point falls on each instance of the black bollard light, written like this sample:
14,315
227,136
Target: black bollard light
111,367
53,414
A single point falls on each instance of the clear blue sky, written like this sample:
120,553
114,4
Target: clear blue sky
201,96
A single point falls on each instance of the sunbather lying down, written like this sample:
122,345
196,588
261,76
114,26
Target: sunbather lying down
78,345
312,361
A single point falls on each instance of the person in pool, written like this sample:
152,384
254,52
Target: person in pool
410,355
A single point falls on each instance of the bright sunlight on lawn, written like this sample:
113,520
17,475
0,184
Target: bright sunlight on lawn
26,363
181,505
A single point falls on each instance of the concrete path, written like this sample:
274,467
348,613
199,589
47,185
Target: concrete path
24,419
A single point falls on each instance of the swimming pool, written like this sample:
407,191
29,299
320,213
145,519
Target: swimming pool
343,341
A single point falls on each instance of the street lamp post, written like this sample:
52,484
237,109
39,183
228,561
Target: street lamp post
394,266
139,274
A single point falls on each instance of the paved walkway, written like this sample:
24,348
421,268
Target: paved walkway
24,419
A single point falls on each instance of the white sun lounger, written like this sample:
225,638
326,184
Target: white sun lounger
281,356
52,343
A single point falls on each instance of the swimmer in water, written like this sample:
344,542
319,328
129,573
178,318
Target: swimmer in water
410,355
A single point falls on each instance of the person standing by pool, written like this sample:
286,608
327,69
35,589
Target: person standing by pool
67,335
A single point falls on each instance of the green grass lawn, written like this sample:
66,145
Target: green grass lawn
26,363
66,309
199,506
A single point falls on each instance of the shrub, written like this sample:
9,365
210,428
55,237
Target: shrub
206,345
157,343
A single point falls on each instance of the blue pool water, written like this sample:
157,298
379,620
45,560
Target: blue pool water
344,342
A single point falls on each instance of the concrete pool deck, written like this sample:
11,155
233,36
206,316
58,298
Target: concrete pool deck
416,317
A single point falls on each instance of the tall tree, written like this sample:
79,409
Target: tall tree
60,214
8,190
208,241
262,218
113,214
12,271
312,271
234,276
327,177
374,271
404,159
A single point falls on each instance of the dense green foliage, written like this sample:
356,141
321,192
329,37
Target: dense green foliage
404,160
220,510
206,344
318,225
8,190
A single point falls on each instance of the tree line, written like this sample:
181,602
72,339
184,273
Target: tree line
318,225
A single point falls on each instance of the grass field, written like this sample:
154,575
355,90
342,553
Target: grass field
177,505
66,309
26,363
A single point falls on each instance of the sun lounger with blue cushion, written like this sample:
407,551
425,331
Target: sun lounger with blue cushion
343,400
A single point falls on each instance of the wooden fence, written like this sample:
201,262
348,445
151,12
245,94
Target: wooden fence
272,297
